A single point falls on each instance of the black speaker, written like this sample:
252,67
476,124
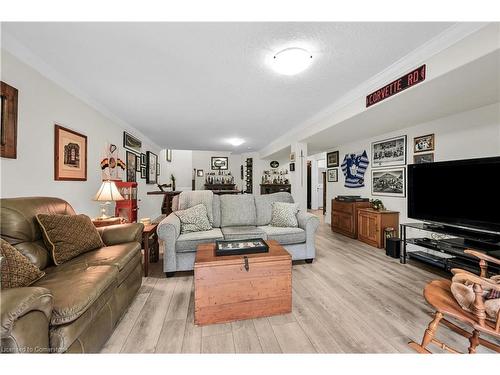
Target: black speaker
393,247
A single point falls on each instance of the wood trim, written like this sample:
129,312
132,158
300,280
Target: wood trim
57,177
8,141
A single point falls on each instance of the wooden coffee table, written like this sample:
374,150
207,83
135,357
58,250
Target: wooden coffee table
225,290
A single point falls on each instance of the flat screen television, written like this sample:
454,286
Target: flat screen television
464,193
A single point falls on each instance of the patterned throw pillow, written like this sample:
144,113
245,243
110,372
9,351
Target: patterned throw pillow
194,219
16,270
67,236
284,214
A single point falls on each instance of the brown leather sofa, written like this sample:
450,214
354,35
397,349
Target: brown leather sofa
75,306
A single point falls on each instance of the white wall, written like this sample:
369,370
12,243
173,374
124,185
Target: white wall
470,134
41,104
181,167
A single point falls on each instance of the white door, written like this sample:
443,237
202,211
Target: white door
319,187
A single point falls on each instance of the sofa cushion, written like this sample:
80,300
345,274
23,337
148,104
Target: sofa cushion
284,235
16,270
74,290
216,211
68,236
237,210
264,205
242,233
189,241
284,215
194,219
188,199
19,227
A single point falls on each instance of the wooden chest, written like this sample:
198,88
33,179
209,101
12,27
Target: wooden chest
225,290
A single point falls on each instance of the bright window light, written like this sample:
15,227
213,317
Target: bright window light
291,61
235,141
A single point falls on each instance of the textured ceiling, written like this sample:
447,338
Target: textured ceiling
193,85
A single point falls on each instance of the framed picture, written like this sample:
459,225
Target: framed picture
199,172
274,164
332,159
292,157
423,143
137,163
70,155
151,161
158,169
389,152
292,167
219,163
8,121
423,158
143,160
131,166
389,182
143,171
132,143
168,155
333,175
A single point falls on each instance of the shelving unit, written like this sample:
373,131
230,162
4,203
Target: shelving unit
249,176
443,247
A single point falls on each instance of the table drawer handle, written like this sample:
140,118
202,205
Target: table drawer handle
247,266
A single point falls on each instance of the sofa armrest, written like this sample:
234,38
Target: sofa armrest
121,233
168,231
307,221
25,316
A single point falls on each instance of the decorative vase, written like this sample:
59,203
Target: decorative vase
173,185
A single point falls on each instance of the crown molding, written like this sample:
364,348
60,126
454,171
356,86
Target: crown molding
17,49
434,46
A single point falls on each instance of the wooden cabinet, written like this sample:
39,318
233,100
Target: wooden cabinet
344,217
371,225
275,188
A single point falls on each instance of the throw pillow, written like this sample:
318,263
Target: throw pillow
194,219
67,236
284,214
16,270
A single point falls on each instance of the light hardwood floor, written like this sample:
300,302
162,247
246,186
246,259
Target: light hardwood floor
352,299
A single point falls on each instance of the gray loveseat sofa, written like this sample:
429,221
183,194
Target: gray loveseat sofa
233,217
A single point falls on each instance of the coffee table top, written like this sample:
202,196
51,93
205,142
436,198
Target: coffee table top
205,255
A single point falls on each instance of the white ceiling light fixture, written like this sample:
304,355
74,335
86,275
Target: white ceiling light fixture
235,141
291,61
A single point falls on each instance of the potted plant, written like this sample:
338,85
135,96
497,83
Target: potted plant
172,177
377,204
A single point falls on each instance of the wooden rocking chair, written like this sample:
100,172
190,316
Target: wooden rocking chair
438,294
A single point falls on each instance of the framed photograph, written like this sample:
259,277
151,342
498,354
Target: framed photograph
219,163
239,247
168,155
292,157
8,121
423,143
70,155
389,152
389,182
423,158
332,159
333,175
132,143
143,160
131,166
199,172
292,167
143,171
151,161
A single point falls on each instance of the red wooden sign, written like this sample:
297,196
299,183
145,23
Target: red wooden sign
408,80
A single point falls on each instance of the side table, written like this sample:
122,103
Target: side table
105,222
150,246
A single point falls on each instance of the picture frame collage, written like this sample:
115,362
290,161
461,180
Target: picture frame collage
139,162
389,167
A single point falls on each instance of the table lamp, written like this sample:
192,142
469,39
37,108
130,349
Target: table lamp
107,192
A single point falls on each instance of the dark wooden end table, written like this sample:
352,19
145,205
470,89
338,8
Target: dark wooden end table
150,245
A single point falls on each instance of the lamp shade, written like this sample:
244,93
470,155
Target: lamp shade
108,192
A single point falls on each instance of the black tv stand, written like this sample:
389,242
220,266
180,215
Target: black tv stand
447,244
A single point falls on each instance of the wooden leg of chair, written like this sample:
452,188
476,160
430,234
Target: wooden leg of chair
431,329
474,341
